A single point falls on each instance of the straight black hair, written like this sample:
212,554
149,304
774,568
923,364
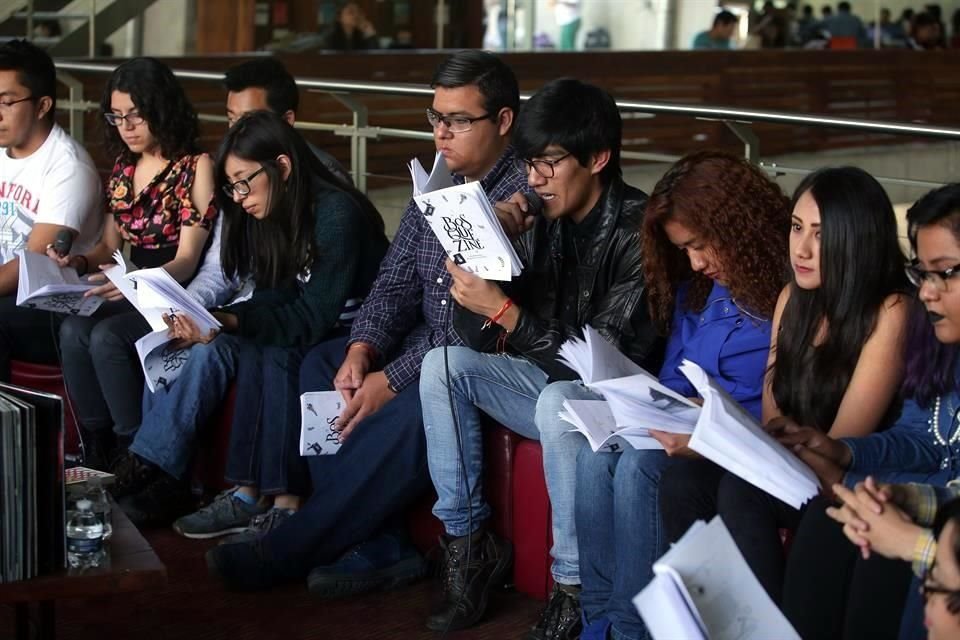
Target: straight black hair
495,80
580,117
275,250
160,100
861,264
270,75
725,17
35,70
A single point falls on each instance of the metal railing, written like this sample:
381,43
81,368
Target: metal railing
360,131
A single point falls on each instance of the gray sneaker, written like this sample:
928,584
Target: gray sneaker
260,525
226,514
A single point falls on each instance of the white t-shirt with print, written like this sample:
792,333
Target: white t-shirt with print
56,184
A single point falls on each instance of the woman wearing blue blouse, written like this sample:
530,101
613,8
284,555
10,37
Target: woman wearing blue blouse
715,249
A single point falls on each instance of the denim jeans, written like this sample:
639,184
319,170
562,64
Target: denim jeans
619,533
101,369
173,415
378,473
506,388
561,445
265,435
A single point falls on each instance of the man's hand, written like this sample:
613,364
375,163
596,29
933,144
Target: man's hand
515,215
790,434
472,292
374,392
675,444
353,370
185,331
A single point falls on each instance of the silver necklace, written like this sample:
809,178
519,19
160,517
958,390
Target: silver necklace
938,437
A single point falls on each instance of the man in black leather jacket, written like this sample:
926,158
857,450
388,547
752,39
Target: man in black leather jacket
580,248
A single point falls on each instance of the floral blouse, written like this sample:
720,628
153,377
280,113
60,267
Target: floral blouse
152,218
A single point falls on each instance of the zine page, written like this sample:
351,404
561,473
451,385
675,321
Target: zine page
319,411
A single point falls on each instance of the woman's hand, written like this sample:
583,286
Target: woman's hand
229,321
792,435
675,444
185,331
108,291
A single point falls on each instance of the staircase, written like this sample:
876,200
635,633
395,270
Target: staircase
75,18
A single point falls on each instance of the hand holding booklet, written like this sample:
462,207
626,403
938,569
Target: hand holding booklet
42,284
634,400
154,293
730,436
464,222
703,588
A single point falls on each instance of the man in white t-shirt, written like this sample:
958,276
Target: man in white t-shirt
48,183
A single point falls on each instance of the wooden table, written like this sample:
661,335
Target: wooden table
132,566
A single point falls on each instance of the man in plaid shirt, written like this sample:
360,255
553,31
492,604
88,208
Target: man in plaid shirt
382,468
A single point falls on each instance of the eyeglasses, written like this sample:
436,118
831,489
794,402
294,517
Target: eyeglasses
454,124
7,105
115,119
928,588
546,168
241,187
938,279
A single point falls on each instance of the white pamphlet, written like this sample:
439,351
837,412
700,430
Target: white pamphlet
42,284
730,436
319,411
703,588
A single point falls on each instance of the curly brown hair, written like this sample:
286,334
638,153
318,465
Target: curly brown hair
739,212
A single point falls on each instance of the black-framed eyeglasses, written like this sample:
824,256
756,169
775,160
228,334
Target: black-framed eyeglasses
454,124
929,587
544,167
241,187
6,105
115,119
938,279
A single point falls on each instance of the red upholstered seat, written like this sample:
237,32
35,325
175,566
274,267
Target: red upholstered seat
49,378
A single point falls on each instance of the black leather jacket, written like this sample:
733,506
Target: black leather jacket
609,286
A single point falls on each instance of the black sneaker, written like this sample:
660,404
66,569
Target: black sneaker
561,620
133,474
386,562
159,503
466,586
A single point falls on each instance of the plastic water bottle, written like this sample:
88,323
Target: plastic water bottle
84,537
100,505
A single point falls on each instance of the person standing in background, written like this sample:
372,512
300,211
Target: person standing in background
567,15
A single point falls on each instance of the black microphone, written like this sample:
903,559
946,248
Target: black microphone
534,203
63,243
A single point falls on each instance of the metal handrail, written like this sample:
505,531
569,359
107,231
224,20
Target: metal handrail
736,119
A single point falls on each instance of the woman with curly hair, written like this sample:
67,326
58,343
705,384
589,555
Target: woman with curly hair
715,252
160,200
835,364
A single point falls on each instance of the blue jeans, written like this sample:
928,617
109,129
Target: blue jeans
503,386
619,532
173,415
265,435
561,445
378,473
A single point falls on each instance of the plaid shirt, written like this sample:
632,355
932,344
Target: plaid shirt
921,504
407,312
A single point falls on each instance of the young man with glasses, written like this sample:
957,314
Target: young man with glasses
347,531
48,184
582,265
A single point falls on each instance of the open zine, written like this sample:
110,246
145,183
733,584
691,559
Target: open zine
42,284
728,435
319,411
465,224
634,400
154,293
703,588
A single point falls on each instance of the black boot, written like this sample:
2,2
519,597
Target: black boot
466,584
561,619
133,473
98,448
